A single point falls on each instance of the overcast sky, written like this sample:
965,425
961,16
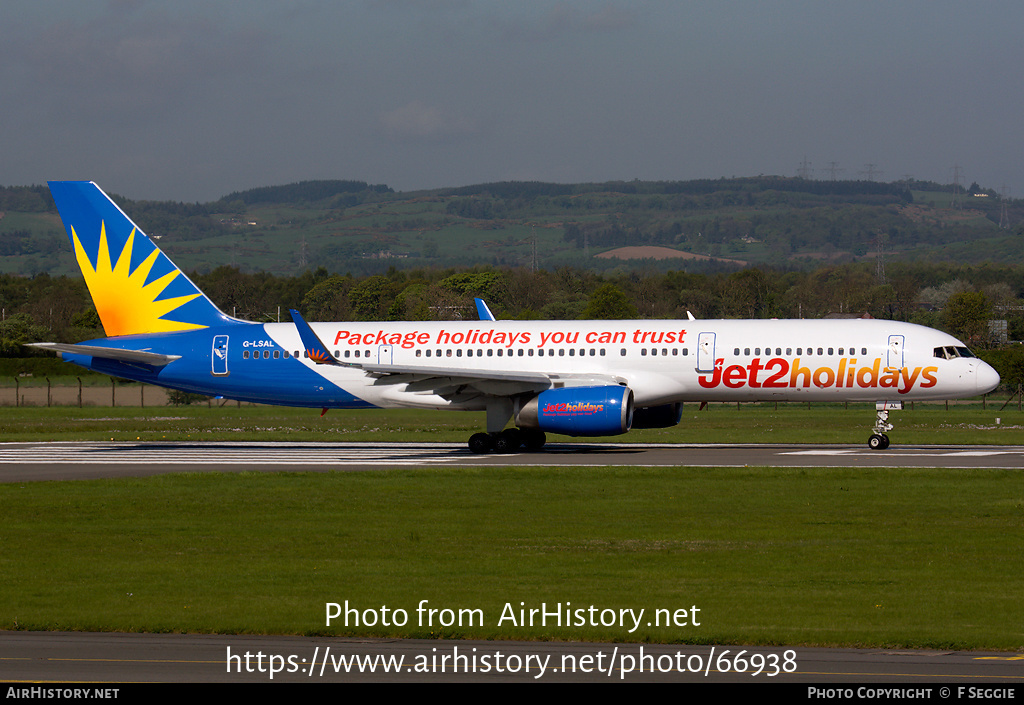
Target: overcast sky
193,99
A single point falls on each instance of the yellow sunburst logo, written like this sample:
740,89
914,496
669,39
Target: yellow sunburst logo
127,305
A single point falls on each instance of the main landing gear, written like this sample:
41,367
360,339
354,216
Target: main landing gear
508,441
879,440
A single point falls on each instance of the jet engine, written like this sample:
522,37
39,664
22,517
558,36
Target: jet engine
579,411
663,416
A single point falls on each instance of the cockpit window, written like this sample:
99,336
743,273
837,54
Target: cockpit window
950,352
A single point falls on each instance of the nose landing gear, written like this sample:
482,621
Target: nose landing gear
879,440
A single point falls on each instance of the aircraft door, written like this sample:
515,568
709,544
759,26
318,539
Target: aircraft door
219,355
894,353
706,352
385,354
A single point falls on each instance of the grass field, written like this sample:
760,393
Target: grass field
895,558
907,558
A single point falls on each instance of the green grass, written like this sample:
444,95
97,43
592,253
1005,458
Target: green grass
897,558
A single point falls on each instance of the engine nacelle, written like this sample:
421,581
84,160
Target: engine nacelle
664,416
579,411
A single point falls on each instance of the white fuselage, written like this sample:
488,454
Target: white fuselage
661,361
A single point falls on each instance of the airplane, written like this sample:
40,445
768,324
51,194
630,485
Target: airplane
575,378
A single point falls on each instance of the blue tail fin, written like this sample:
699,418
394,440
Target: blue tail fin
136,288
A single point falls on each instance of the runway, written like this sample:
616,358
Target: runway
78,657
24,462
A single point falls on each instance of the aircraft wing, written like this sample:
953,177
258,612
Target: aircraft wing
137,356
441,380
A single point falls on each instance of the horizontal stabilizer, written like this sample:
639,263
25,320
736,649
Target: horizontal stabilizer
137,356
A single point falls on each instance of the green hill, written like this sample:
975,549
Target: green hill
713,225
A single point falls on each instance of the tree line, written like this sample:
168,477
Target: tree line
959,299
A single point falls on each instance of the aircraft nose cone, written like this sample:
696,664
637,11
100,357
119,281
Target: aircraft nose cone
987,378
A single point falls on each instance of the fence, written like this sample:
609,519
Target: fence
35,393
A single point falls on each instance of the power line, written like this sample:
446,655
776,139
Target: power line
804,172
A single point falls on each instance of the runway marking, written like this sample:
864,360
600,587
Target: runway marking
904,454
224,454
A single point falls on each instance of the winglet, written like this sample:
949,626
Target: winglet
315,348
482,312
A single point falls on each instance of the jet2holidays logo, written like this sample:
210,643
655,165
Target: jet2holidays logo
779,373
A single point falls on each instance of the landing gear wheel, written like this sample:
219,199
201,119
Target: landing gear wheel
508,441
481,443
534,440
878,441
